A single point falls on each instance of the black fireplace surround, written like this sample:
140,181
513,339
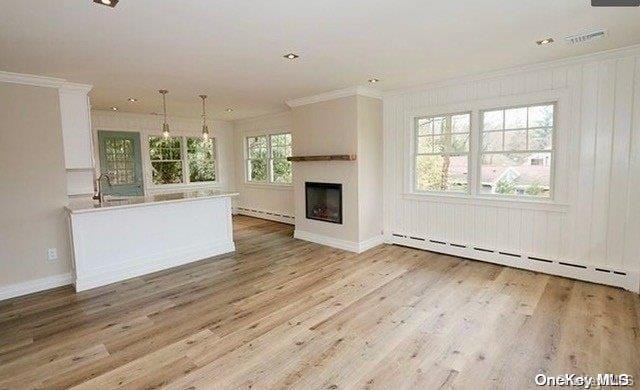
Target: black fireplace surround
324,201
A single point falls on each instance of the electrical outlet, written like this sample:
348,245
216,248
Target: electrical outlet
52,254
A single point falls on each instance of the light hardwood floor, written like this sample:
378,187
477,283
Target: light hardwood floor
284,313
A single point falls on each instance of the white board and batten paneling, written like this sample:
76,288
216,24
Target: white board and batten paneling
591,228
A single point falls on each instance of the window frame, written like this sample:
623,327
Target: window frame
184,158
552,151
563,143
269,160
415,154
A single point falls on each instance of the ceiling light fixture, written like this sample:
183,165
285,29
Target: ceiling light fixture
165,125
108,3
229,110
114,108
132,100
373,81
291,56
545,41
205,129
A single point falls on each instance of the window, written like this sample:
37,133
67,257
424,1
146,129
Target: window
257,158
201,157
166,160
266,159
442,153
517,151
182,160
280,150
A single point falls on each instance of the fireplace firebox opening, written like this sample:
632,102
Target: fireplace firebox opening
324,201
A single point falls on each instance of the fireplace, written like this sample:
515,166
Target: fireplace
324,201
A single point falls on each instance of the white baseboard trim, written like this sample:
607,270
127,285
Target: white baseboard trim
351,246
263,214
152,263
626,279
36,285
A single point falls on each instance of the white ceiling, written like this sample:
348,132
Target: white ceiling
232,49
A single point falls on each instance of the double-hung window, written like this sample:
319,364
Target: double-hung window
517,149
178,160
266,158
166,160
442,153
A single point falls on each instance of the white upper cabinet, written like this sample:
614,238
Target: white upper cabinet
76,126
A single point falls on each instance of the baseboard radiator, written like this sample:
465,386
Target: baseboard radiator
597,274
270,215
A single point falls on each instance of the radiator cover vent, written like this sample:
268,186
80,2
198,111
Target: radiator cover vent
586,37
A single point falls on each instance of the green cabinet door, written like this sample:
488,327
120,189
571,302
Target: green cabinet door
120,159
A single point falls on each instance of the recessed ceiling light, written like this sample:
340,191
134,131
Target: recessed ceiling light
545,41
114,108
229,110
373,81
291,56
132,100
108,3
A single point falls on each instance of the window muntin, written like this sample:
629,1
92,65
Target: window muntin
266,158
441,162
516,155
120,161
201,155
166,160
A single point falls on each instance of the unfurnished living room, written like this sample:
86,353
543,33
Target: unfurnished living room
322,194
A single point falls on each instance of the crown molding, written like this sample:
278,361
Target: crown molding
42,81
340,93
627,51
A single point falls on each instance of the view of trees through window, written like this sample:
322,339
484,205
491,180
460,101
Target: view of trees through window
201,157
517,151
266,158
167,158
442,153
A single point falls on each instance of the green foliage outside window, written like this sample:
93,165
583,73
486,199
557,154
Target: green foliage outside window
201,157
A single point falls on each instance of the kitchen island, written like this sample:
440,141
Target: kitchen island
128,237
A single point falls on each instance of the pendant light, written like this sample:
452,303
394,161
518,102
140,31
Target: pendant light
165,125
205,128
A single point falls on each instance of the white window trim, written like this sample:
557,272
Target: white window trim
562,115
186,183
269,181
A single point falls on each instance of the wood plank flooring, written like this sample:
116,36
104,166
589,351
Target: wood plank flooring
284,313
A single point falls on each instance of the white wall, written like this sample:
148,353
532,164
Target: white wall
33,190
148,125
595,220
263,198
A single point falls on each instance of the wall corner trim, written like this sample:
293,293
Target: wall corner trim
35,285
336,94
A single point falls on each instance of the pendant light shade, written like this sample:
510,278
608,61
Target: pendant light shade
165,125
205,128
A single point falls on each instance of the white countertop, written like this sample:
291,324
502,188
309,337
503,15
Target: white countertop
87,205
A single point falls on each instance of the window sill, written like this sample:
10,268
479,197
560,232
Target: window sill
273,186
491,201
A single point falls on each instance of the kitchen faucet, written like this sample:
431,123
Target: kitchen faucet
97,186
